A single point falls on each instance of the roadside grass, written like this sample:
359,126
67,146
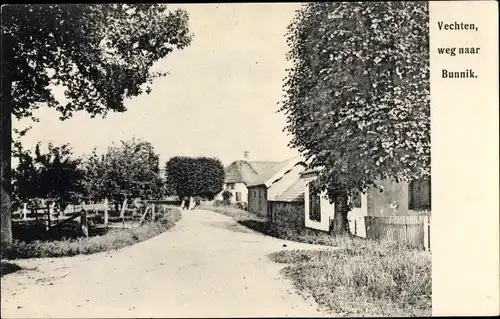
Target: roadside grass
230,211
114,239
262,225
368,279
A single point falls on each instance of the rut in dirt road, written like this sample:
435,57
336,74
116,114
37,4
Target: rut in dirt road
207,265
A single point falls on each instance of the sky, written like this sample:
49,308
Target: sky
219,99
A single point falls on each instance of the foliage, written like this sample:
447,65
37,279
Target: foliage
357,96
226,195
131,168
195,176
114,239
55,174
100,54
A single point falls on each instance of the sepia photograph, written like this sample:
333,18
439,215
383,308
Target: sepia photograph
218,160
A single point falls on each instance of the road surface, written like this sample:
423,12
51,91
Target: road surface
206,266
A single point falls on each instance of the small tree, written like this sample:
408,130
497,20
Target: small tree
226,196
131,168
54,174
199,176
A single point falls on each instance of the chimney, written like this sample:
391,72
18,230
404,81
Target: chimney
246,155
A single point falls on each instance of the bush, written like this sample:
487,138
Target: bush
114,239
226,196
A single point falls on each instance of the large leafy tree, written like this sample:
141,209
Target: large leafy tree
195,176
54,174
357,96
129,169
102,54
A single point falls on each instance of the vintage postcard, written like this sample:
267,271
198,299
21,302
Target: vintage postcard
316,159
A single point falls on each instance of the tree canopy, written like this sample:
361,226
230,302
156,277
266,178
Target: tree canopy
357,96
195,176
131,168
100,53
53,174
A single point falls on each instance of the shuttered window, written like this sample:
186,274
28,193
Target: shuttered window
314,205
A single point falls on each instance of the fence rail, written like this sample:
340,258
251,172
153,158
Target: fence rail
413,230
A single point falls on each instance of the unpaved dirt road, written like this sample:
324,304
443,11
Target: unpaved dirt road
206,266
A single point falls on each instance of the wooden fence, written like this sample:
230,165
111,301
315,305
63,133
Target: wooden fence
413,230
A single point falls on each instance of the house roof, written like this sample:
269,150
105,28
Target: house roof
244,171
311,171
262,166
294,193
270,175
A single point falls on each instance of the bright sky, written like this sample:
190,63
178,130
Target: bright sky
219,99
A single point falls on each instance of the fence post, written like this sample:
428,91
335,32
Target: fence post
84,222
25,211
426,233
106,215
122,213
124,206
47,226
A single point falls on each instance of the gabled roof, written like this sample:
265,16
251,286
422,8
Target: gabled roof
244,171
271,174
294,193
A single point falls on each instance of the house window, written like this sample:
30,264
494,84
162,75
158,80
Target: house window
420,194
230,186
314,204
356,199
238,196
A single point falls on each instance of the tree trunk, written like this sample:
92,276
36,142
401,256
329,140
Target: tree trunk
6,140
340,223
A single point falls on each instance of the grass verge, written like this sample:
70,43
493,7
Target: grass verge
262,225
114,239
237,213
370,279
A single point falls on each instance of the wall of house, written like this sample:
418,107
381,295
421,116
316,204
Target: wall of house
356,217
257,200
290,214
326,210
392,201
241,191
238,188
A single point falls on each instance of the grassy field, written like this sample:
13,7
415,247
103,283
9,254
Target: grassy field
114,239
